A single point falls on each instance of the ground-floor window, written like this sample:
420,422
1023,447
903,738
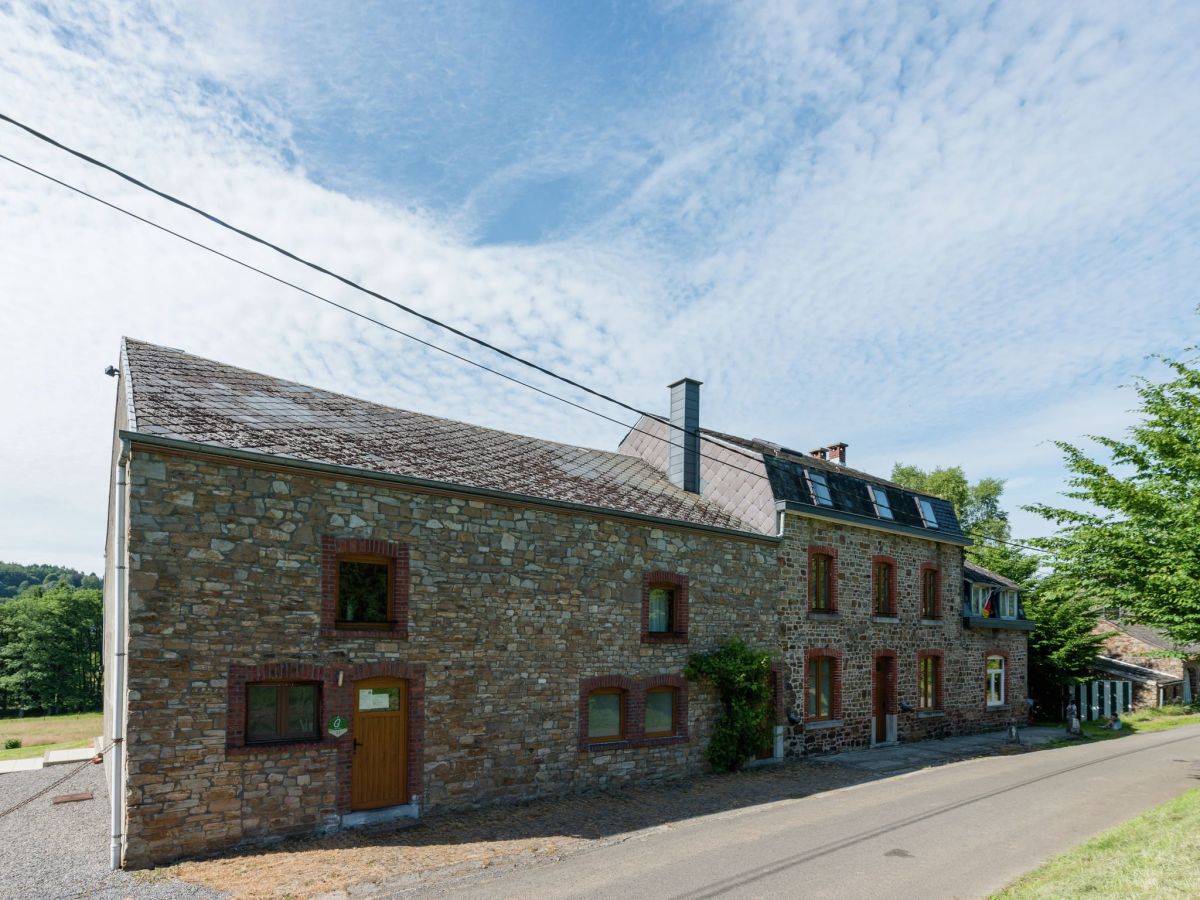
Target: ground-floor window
283,711
995,681
606,715
929,682
660,712
822,674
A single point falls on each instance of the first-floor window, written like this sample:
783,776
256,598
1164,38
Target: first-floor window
821,672
282,712
1008,604
661,609
606,715
364,591
929,594
885,600
660,712
929,682
995,680
979,597
820,582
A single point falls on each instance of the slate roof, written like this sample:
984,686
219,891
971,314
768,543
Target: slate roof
1153,637
1134,673
178,396
977,574
848,489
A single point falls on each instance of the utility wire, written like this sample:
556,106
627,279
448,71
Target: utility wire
391,328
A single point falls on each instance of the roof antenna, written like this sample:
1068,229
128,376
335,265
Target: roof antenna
112,372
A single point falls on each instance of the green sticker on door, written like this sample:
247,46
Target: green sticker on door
338,726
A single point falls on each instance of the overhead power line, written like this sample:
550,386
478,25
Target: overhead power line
356,286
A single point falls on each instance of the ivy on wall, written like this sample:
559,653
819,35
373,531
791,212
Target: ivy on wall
741,677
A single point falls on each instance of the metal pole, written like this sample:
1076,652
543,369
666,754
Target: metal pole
117,781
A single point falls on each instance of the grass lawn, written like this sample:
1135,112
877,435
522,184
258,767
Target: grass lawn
1152,856
1159,718
41,733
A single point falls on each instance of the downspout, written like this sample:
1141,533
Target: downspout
117,760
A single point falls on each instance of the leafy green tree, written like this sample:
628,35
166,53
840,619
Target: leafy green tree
1135,541
15,578
50,650
979,512
1063,646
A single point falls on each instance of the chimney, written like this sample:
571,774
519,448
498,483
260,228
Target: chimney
837,453
684,435
819,453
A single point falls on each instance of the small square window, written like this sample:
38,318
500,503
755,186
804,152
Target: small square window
820,488
883,506
661,610
606,715
282,712
660,712
927,514
364,590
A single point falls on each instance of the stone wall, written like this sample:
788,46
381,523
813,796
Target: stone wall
1127,648
510,609
859,638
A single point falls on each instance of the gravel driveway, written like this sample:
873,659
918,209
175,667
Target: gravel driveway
62,851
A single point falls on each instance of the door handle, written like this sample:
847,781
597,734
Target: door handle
357,744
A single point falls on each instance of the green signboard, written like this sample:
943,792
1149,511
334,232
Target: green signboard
338,726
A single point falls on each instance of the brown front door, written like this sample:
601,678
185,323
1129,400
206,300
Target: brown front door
379,774
882,665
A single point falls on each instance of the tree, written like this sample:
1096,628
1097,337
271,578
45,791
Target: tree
979,513
1135,544
1063,646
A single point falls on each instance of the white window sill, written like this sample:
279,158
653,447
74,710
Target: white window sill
822,723
997,706
932,621
887,620
930,713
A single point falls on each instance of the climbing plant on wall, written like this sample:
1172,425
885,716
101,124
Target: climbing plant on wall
741,677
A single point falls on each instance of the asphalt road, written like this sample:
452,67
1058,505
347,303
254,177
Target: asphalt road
962,830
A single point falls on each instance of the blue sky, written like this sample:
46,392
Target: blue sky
944,233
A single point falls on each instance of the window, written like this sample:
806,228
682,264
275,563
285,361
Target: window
282,712
364,590
820,488
660,712
930,594
995,680
1008,604
979,599
929,682
927,515
883,506
606,715
662,603
883,587
822,670
820,581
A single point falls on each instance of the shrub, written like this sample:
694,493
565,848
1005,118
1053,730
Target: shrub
12,743
741,678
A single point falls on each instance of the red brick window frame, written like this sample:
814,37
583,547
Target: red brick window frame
333,551
633,693
884,586
239,681
822,678
1007,701
677,618
931,680
822,579
931,591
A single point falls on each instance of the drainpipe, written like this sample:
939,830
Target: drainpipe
117,781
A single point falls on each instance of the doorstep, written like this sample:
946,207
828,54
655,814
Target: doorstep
366,817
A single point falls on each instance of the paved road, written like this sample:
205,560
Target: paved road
962,830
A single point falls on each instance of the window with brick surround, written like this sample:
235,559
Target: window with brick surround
929,680
822,696
282,711
364,588
660,712
883,586
822,579
606,715
996,681
664,608
931,592
364,591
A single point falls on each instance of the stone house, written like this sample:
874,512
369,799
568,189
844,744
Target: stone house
321,611
1139,667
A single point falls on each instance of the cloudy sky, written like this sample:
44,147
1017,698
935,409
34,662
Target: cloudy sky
943,234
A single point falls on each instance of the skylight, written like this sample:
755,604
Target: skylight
883,506
820,488
927,513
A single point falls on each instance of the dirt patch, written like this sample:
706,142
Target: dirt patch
444,846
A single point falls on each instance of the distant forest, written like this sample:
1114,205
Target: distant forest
17,579
51,634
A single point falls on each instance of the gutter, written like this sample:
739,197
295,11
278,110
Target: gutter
836,515
117,760
426,485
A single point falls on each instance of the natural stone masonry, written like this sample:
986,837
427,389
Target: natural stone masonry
509,610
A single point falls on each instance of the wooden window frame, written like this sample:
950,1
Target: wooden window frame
678,615
890,586
281,711
933,608
662,689
831,593
623,708
937,659
374,559
835,686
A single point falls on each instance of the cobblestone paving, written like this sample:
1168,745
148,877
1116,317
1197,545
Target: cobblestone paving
385,860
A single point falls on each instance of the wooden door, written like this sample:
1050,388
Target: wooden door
881,698
379,774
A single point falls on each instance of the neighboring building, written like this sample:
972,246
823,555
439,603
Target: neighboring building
1156,670
336,610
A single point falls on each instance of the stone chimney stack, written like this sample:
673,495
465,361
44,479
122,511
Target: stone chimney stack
837,453
684,435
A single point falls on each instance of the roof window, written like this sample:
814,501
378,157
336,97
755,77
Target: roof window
820,488
927,515
883,506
